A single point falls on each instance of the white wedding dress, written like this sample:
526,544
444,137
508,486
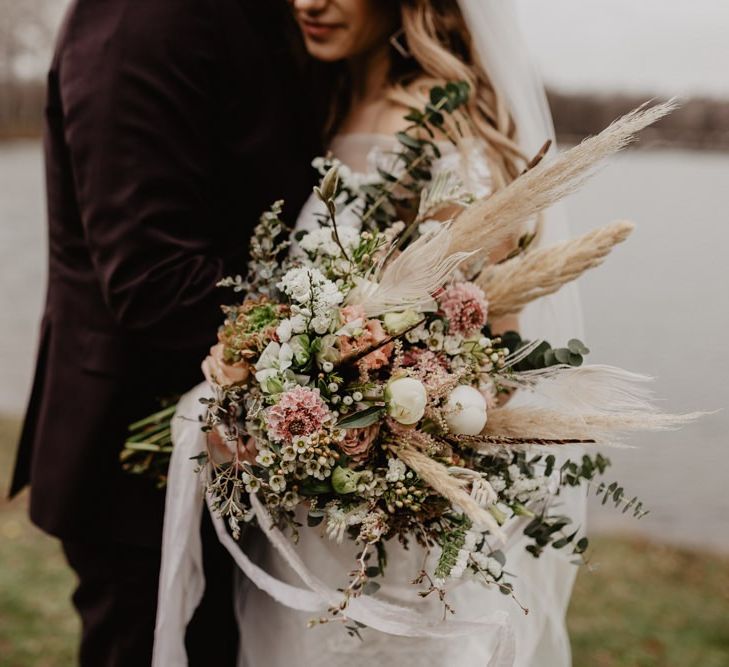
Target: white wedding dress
276,636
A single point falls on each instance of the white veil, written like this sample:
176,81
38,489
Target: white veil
494,28
546,584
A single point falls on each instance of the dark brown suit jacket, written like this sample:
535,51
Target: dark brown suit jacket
170,126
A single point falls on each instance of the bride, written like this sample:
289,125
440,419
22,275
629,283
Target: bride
378,57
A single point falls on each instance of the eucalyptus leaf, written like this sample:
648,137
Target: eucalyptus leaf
363,418
575,359
407,140
577,347
371,587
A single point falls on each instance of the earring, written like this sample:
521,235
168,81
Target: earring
398,45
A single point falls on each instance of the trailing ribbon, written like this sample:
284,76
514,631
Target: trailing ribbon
181,574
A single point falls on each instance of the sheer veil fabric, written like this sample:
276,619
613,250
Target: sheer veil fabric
273,634
505,56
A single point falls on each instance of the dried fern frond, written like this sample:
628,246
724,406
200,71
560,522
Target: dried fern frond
500,216
451,488
512,285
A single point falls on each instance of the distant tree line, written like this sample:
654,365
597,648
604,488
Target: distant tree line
699,123
26,38
21,109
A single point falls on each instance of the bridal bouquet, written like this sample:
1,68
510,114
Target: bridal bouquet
357,388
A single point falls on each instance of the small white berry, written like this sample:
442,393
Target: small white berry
327,366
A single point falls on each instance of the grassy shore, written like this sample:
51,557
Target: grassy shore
639,605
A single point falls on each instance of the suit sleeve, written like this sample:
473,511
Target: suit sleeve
138,102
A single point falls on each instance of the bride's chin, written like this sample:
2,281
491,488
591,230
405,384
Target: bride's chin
323,52
329,48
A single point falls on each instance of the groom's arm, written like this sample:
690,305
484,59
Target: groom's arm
136,82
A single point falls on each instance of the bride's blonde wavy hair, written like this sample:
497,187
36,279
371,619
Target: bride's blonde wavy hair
437,47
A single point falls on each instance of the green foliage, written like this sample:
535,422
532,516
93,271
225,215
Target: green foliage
544,355
545,530
417,150
148,447
268,243
613,493
451,542
363,418
573,474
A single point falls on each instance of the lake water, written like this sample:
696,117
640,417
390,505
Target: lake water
658,306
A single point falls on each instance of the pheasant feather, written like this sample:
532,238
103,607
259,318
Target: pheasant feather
409,280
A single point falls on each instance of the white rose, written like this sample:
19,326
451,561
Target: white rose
465,411
398,322
406,399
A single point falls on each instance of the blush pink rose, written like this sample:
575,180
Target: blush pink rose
372,333
222,450
216,371
358,441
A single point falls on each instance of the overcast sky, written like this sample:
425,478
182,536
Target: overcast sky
665,47
669,47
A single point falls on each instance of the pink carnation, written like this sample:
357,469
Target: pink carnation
299,412
465,306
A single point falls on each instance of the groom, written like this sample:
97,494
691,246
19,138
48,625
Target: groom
170,126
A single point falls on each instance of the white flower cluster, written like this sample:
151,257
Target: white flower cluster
396,470
277,484
273,369
339,519
315,300
373,527
472,538
321,242
487,564
524,488
471,560
437,340
352,181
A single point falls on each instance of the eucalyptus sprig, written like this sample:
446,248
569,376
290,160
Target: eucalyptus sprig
417,151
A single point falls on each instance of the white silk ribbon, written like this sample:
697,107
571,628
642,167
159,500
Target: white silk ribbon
182,582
